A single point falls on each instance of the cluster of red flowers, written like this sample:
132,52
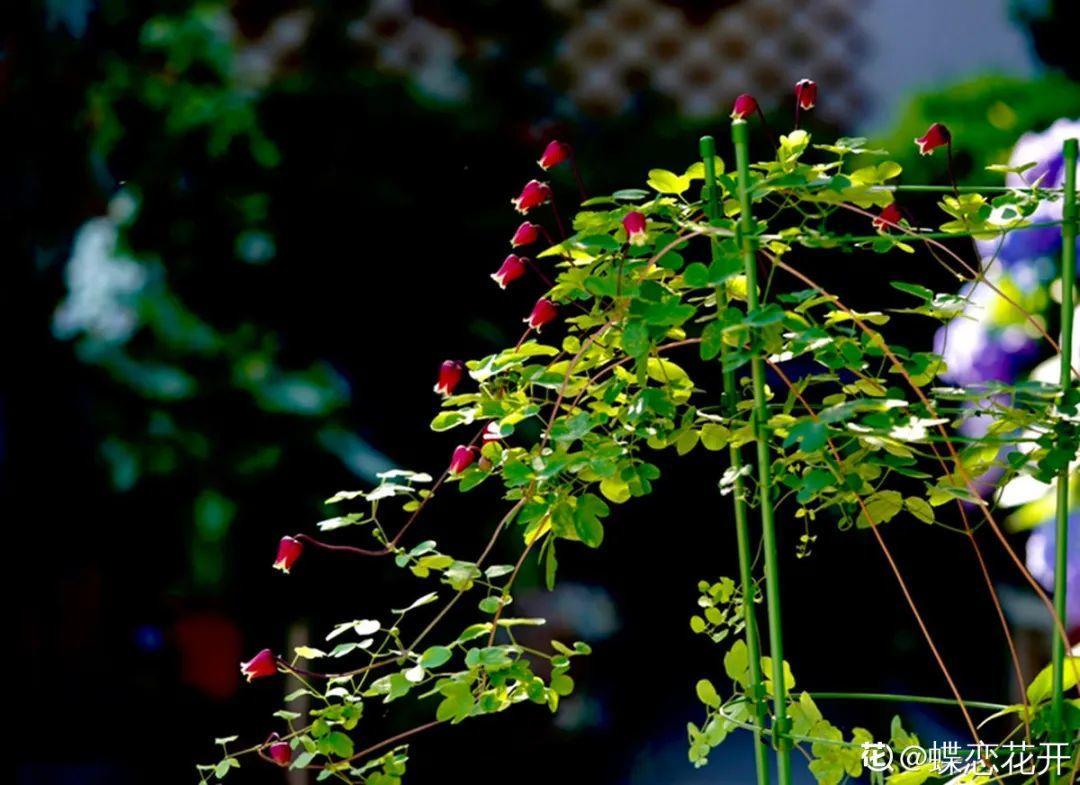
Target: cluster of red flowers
535,194
937,135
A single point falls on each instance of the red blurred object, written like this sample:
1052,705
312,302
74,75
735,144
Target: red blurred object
209,645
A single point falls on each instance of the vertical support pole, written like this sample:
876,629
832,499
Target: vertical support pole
742,529
1068,284
781,722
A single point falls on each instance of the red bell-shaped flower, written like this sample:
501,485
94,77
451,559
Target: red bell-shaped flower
554,154
513,267
534,194
543,312
260,666
806,94
526,234
936,136
289,550
462,459
888,218
745,105
450,373
634,224
280,752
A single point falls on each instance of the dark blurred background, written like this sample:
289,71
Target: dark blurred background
242,236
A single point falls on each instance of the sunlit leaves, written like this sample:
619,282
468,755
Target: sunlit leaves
668,182
880,507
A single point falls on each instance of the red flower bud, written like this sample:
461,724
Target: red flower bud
526,234
449,375
936,136
513,267
288,551
462,459
534,194
806,93
542,313
887,218
554,154
745,105
279,751
260,666
634,224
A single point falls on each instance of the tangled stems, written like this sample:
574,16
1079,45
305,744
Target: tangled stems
568,426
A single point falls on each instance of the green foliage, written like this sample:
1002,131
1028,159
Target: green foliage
579,420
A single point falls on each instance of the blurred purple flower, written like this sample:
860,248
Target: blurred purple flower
1040,561
975,351
1045,150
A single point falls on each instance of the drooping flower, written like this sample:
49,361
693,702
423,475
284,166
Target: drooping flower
937,135
279,751
534,194
745,105
887,218
543,312
554,154
260,666
513,267
492,432
450,373
806,94
462,459
634,224
526,234
289,550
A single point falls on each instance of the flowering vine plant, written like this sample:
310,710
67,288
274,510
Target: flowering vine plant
645,290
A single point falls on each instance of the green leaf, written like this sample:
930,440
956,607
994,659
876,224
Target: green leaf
707,694
767,672
712,340
810,434
1042,685
635,339
920,508
340,744
223,767
435,656
881,507
444,421
668,182
737,663
587,513
457,703
714,436
551,565
696,274
614,489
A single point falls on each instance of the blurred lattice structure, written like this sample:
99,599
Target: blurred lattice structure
701,61
700,55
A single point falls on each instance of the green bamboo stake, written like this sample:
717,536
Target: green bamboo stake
1068,283
742,529
781,722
